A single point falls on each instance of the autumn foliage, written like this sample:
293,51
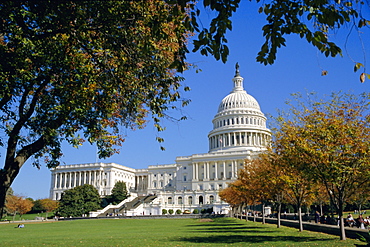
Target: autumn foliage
17,204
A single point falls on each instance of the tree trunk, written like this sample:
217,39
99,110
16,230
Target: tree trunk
321,212
341,222
6,179
263,213
3,191
240,211
300,218
246,212
278,216
254,212
15,213
13,163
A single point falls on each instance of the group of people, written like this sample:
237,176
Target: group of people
324,219
360,222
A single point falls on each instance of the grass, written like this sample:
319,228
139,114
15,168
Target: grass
28,216
161,232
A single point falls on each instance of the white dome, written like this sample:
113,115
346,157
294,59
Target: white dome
239,124
238,100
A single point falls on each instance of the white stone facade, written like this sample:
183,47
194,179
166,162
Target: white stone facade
239,134
102,176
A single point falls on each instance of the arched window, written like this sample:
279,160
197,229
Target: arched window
154,184
169,200
190,200
179,200
200,199
211,199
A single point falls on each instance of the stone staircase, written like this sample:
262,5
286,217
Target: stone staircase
138,201
124,207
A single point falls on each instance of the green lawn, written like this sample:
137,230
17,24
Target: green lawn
161,232
28,216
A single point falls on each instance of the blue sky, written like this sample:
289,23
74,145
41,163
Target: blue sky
297,69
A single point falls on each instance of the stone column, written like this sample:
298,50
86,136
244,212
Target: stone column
232,169
224,170
74,179
193,167
195,171
207,172
95,178
55,180
216,170
65,180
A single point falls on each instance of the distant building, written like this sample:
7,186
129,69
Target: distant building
193,182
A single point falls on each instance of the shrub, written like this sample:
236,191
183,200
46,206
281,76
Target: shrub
178,211
203,211
170,211
164,211
195,211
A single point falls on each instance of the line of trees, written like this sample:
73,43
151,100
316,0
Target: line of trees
320,154
74,202
20,205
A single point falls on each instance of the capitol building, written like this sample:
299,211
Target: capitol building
239,134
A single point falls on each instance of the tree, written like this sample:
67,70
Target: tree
79,201
17,204
332,140
234,195
49,205
271,177
299,188
78,70
119,193
255,182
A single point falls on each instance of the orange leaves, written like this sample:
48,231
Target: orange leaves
49,205
17,204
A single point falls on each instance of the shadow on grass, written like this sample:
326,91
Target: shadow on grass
236,232
215,224
246,239
244,229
